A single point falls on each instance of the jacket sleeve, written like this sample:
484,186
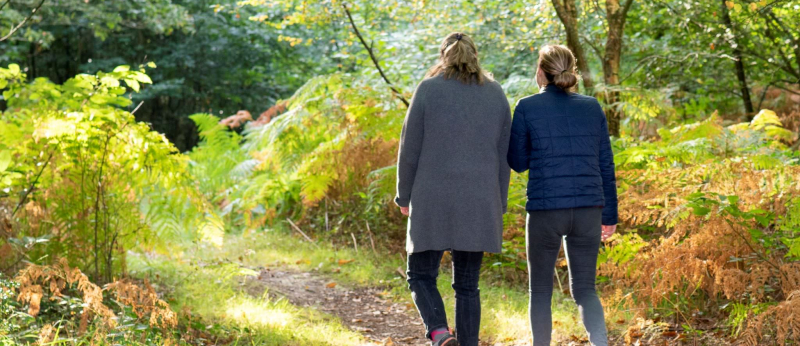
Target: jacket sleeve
410,148
502,148
610,216
519,145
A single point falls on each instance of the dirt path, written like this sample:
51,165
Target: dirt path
365,310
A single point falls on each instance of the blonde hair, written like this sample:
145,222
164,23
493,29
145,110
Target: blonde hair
458,59
558,64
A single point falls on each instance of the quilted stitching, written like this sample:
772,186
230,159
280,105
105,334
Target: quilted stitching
562,140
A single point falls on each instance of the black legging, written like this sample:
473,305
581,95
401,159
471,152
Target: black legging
581,229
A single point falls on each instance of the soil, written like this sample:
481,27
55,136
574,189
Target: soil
365,310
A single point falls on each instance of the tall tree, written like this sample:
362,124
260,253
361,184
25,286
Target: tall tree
567,11
611,56
741,74
616,15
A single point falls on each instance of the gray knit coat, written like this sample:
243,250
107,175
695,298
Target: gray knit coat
452,169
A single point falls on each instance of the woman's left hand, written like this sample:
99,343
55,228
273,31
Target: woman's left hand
607,232
404,210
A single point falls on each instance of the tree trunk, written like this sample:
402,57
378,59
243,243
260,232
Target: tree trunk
740,71
567,11
616,15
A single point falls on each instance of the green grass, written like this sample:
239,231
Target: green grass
204,273
209,290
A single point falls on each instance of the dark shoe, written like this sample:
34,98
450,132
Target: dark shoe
447,340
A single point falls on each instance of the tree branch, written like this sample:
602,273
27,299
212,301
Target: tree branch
786,89
372,56
4,4
594,47
13,30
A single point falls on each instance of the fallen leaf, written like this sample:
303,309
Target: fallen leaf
331,285
669,334
344,261
621,321
388,341
357,320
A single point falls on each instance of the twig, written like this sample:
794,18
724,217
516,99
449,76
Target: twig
758,254
327,228
301,232
371,241
13,30
4,4
137,107
100,192
372,56
32,186
402,273
555,272
763,95
355,243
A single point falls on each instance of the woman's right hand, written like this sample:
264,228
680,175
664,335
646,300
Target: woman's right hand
607,232
404,210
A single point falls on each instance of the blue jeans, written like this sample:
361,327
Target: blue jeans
580,228
423,269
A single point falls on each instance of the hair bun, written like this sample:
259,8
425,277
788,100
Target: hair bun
565,80
558,64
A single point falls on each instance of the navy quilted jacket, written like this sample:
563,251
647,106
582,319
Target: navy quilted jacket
562,138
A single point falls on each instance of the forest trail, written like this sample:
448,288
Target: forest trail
365,310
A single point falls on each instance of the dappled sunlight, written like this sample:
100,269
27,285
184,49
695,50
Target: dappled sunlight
250,312
212,230
508,324
282,317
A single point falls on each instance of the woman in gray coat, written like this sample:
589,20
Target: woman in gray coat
452,183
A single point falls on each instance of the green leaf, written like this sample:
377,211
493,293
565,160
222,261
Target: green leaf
5,160
133,84
763,220
122,68
700,211
142,78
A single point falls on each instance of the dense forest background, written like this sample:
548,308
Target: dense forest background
141,135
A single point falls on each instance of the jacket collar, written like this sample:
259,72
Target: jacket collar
554,89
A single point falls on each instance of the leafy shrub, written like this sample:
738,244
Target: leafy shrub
78,174
714,227
281,167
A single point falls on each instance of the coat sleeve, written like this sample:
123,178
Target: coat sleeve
519,145
610,216
410,148
502,148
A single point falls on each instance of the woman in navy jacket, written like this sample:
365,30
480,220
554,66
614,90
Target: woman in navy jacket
562,139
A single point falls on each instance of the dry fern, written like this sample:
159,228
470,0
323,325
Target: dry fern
145,303
707,257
